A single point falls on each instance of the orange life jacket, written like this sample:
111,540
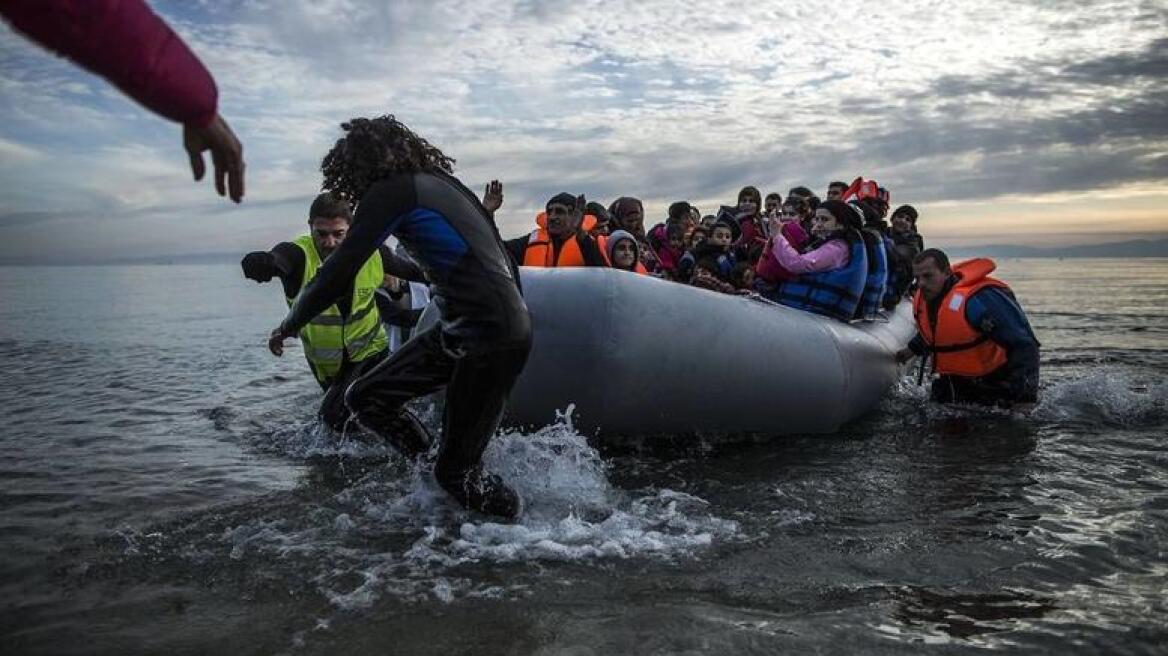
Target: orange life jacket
540,250
958,348
602,244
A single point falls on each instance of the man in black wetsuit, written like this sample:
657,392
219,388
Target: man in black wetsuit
403,186
353,323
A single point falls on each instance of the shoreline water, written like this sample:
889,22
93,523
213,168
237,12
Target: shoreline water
165,489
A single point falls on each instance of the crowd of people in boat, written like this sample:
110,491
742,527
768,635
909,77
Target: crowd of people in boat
843,256
838,257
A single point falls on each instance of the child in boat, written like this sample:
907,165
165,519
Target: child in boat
628,214
670,252
789,226
748,245
713,259
742,277
624,252
685,265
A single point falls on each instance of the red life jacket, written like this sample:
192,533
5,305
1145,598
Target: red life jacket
861,189
958,348
540,250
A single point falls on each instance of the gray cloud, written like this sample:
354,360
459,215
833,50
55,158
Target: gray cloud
662,100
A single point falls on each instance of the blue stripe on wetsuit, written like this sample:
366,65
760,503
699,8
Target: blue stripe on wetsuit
431,237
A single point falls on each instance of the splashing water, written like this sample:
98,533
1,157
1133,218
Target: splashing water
1109,399
394,532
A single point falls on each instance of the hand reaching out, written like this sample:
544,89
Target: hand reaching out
226,155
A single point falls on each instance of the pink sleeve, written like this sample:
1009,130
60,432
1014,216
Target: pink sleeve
795,234
832,255
129,45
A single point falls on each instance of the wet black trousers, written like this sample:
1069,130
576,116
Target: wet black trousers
477,385
993,389
332,407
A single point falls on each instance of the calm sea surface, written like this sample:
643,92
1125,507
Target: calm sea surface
164,489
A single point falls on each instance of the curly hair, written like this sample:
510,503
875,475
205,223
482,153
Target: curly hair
373,149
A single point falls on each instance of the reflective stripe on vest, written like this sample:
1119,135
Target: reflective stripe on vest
835,293
329,336
958,348
877,278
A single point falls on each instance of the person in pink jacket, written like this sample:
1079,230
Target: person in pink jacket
136,51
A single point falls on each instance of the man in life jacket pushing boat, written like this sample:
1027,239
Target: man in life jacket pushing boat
978,336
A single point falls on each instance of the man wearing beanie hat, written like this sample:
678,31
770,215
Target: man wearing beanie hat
558,240
906,245
904,227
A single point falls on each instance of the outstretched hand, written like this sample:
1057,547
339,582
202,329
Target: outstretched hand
226,155
493,196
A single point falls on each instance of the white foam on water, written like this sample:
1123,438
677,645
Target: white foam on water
571,511
395,533
1108,398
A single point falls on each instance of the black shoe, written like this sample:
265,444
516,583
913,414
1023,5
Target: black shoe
485,493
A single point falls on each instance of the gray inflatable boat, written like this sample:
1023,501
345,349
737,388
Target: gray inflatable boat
634,355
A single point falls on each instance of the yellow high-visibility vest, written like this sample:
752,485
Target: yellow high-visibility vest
329,337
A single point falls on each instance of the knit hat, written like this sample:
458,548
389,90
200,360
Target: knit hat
728,216
562,198
909,211
615,237
597,210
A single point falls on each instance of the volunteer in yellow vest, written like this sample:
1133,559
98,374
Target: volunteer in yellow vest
560,239
347,338
980,341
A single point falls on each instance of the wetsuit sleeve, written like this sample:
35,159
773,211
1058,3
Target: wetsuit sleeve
400,267
997,314
516,248
289,261
377,215
285,261
129,45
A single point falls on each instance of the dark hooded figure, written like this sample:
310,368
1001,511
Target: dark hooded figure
402,185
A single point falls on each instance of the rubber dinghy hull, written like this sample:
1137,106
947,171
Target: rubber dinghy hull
636,355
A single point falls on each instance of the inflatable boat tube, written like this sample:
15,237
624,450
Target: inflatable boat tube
635,355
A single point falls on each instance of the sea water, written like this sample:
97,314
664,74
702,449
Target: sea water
165,488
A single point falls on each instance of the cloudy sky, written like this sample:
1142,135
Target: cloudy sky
1002,121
